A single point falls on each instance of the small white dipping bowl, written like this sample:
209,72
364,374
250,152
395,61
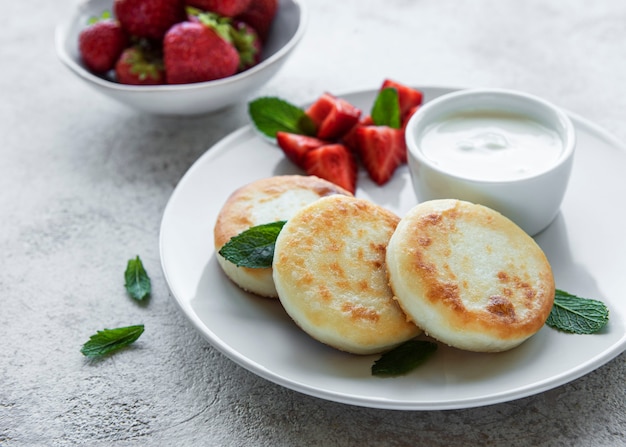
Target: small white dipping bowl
185,99
507,150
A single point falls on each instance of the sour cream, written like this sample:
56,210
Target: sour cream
490,145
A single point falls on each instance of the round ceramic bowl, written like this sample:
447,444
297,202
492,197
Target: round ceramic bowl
185,99
507,150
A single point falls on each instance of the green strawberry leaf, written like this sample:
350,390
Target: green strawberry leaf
105,15
386,109
137,282
271,115
577,315
403,358
253,248
110,340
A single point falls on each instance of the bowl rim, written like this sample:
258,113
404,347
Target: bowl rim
61,37
569,133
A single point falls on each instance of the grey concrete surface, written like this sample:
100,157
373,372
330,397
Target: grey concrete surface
84,182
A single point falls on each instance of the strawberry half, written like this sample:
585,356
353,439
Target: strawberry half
321,108
408,97
333,162
295,146
349,139
381,149
193,52
333,116
100,45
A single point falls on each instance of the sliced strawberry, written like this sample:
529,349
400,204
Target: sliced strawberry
295,146
321,108
349,139
333,162
408,115
408,97
381,149
333,116
339,121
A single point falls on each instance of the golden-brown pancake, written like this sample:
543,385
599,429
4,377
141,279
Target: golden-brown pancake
330,274
260,202
469,276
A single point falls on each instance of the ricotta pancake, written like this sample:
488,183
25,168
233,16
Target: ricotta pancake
331,278
468,276
264,201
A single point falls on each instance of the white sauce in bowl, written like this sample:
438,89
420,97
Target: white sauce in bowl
495,146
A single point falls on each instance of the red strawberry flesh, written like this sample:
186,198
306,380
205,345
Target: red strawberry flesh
333,116
381,149
296,146
333,162
407,96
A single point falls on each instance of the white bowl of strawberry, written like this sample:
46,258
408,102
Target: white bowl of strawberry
179,57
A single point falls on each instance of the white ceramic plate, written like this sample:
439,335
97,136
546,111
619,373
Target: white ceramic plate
585,246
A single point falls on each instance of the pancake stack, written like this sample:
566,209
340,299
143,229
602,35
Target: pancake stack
356,277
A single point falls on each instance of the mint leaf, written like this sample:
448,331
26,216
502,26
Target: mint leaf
271,115
110,340
253,248
577,315
403,358
137,281
386,108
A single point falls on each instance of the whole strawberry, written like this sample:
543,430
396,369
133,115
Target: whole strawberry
227,8
101,43
149,18
248,44
140,66
193,52
260,15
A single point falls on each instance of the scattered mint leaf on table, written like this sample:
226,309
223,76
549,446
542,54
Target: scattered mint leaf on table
403,358
253,248
271,115
137,281
386,109
110,340
577,315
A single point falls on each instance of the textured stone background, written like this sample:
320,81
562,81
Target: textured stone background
85,180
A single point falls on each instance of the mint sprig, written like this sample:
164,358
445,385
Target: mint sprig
386,109
577,315
137,282
271,115
253,248
110,340
403,358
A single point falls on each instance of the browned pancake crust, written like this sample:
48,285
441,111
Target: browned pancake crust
330,273
264,201
463,271
237,213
